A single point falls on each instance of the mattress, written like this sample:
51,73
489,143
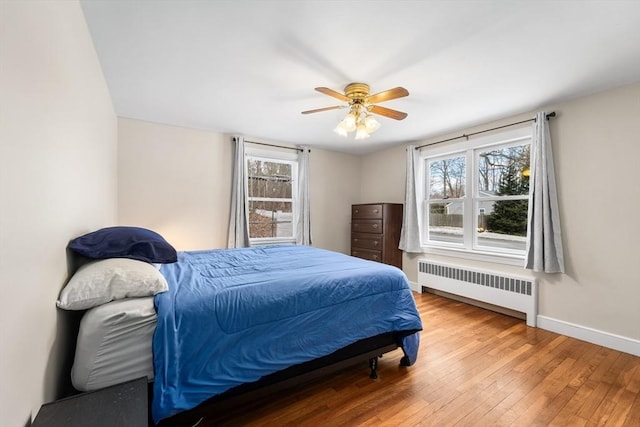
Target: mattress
114,344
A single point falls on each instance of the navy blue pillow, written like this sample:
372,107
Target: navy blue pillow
125,242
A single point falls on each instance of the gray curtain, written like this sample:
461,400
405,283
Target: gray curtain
410,234
544,241
238,221
303,226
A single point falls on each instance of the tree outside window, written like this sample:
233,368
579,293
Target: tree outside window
503,193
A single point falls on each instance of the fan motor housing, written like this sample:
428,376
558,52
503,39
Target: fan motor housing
357,91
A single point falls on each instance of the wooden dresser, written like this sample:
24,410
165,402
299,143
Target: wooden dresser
375,232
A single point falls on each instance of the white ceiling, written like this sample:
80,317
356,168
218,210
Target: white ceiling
250,67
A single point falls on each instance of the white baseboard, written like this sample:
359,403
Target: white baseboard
583,333
415,287
594,336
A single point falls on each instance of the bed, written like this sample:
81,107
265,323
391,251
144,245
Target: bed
232,318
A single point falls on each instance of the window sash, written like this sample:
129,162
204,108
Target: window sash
275,157
447,227
269,199
495,147
460,187
471,243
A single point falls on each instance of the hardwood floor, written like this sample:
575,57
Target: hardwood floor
475,368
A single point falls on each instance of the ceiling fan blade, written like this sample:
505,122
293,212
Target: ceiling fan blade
396,92
317,110
387,112
333,93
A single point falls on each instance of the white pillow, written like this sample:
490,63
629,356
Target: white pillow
110,279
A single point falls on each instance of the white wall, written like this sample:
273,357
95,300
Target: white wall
57,181
596,149
334,187
177,181
382,176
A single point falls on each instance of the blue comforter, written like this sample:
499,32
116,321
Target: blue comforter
232,316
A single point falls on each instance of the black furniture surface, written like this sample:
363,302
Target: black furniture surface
123,404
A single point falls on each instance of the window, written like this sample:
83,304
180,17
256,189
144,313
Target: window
503,194
476,195
272,178
446,181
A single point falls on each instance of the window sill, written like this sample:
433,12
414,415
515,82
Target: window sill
264,242
496,258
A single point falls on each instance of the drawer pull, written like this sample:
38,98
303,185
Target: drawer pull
355,240
375,225
375,211
357,211
375,243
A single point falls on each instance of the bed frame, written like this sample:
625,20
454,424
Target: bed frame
367,349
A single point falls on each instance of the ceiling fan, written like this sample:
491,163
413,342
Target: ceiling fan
361,105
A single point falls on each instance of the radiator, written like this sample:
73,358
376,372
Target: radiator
512,292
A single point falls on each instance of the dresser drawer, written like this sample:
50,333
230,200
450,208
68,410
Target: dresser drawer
366,254
375,232
366,211
366,241
366,226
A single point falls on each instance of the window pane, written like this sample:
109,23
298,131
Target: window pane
502,224
270,219
446,178
445,222
504,171
269,179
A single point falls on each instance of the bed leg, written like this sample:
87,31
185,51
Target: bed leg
373,364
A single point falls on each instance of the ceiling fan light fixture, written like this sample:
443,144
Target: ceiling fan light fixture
371,124
349,122
340,129
361,131
360,104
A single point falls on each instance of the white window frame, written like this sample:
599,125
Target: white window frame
277,156
469,249
427,201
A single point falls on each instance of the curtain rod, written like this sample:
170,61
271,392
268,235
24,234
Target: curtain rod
274,145
548,116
